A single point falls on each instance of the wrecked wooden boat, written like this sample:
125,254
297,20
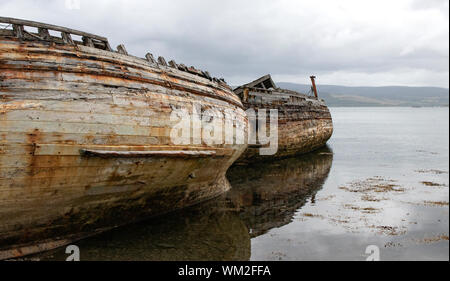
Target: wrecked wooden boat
304,121
85,136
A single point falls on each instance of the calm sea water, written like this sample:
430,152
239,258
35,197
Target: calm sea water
383,180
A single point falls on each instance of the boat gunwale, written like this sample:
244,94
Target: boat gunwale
136,63
18,32
281,91
30,23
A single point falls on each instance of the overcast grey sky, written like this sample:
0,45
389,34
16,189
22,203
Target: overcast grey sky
353,42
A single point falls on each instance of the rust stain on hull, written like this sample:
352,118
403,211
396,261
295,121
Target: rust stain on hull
57,99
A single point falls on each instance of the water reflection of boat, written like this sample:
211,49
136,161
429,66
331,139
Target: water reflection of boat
268,193
210,231
263,196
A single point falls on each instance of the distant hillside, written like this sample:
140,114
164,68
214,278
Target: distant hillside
376,96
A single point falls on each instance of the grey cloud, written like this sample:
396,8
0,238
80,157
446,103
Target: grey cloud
240,40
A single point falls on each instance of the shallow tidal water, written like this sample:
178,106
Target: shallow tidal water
382,180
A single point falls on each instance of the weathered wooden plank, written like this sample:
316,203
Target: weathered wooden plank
137,63
65,149
55,127
15,162
90,118
121,106
68,150
148,81
80,176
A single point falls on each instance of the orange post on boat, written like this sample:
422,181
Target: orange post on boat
314,86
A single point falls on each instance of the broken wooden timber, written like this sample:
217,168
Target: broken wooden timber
150,58
67,38
162,61
122,50
173,64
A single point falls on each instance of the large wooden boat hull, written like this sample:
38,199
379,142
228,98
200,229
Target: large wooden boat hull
85,142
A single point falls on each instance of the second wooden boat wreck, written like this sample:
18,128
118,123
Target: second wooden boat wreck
304,121
85,136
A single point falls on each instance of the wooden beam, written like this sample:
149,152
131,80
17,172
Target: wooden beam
182,67
140,154
107,46
67,38
173,64
88,42
193,70
258,81
18,30
14,21
207,75
162,61
122,50
150,58
43,33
